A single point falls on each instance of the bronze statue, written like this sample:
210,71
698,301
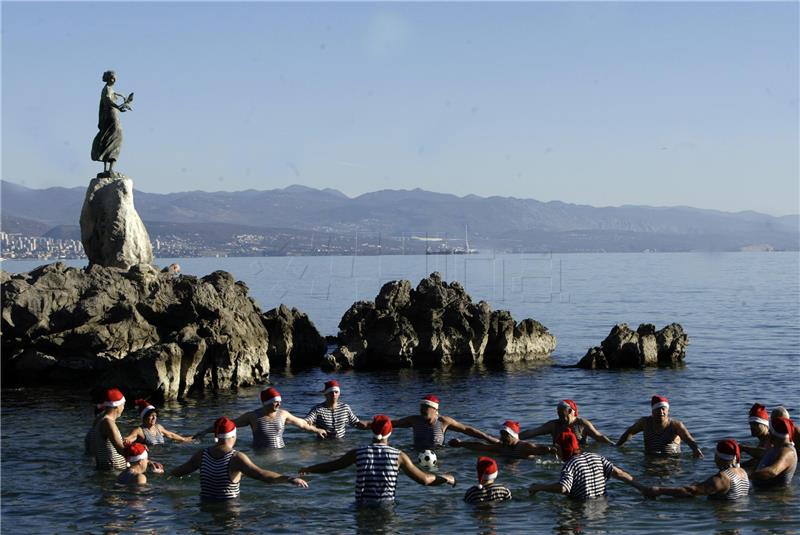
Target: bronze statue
108,141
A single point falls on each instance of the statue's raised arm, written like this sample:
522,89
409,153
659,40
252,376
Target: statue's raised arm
108,141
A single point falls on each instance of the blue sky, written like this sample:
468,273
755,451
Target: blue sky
593,103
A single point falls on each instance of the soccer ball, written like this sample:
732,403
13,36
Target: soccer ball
427,459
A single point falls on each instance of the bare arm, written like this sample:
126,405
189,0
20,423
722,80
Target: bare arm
407,421
173,436
544,429
134,435
529,449
783,462
243,464
592,431
189,466
625,477
304,425
474,446
632,430
685,435
714,485
450,423
557,488
331,466
241,421
422,477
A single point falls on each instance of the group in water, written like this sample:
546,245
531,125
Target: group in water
771,464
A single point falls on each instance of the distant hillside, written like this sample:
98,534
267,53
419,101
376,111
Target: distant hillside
505,223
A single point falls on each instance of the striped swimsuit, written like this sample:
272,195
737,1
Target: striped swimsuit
577,427
215,477
376,474
268,432
427,435
151,438
781,480
334,421
740,487
489,493
105,454
660,441
585,475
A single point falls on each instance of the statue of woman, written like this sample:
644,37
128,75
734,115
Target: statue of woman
108,141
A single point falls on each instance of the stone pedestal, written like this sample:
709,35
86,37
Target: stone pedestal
112,232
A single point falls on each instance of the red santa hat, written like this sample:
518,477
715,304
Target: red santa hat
728,450
270,395
381,426
656,402
144,407
431,401
569,403
568,443
224,428
136,452
782,428
487,471
758,414
332,386
114,398
511,427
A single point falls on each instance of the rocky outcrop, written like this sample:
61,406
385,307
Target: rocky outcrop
294,341
435,324
146,331
112,233
624,348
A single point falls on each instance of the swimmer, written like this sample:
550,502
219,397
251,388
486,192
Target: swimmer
268,422
222,467
108,443
662,435
781,412
332,415
776,468
583,474
377,467
137,457
98,399
429,426
758,419
151,432
568,417
509,446
729,483
487,490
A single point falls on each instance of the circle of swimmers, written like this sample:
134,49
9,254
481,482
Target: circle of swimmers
771,464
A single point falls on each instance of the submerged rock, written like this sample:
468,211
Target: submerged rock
433,325
624,348
146,331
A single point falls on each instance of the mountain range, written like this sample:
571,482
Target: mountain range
502,223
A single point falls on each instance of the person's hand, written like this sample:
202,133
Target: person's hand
126,443
450,479
321,433
454,443
197,436
158,468
297,482
698,454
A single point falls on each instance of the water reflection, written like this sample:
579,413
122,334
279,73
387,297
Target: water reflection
381,519
575,516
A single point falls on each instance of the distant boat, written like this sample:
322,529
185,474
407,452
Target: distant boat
445,249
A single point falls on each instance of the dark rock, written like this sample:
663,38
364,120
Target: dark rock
433,325
294,341
624,348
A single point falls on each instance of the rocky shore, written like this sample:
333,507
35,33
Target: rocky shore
644,347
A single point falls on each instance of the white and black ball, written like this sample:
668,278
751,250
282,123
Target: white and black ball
427,459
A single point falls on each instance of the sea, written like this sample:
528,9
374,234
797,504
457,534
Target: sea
740,310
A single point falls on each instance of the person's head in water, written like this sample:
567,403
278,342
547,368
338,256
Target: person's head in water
727,454
781,431
429,407
147,412
271,398
509,433
225,431
487,471
567,411
136,455
759,421
780,412
568,445
110,77
332,391
381,427
114,402
659,407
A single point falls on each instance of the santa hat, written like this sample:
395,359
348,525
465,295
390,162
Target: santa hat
569,403
782,428
758,414
144,407
487,471
114,398
224,428
728,450
270,395
656,402
568,443
332,386
431,401
511,427
136,452
381,426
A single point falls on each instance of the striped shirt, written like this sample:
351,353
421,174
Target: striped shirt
426,435
662,441
740,486
376,473
151,438
585,475
268,432
333,420
215,477
105,454
489,493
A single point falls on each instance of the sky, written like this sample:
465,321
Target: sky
604,104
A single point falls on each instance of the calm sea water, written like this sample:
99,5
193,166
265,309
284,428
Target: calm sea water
741,311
